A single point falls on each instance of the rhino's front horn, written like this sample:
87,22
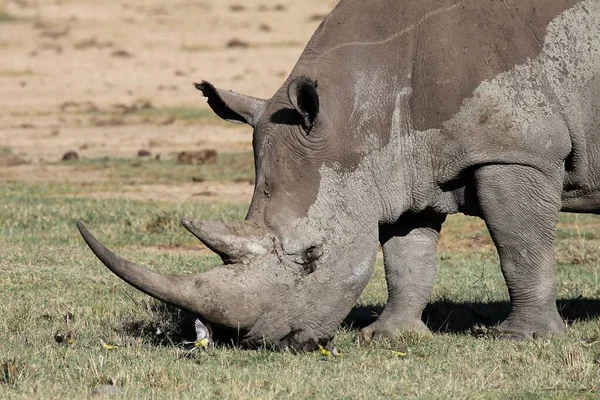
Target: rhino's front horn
223,295
236,242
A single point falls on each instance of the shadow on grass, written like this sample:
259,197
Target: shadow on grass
168,326
450,316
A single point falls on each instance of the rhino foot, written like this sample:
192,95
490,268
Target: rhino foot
522,329
382,330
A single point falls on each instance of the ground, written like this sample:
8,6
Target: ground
107,80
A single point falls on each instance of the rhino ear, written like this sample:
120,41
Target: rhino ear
305,99
232,106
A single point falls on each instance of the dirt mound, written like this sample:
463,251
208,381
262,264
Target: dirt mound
11,160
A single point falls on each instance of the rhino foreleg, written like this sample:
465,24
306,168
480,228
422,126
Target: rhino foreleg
520,206
409,252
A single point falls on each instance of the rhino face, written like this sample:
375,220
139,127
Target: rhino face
295,267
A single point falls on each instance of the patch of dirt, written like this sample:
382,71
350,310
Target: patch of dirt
79,58
11,160
217,192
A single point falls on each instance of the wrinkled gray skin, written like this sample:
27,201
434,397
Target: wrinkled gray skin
397,114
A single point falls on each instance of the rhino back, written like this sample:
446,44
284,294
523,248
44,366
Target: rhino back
448,46
504,81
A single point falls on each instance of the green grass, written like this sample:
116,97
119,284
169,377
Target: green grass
144,112
6,17
228,167
184,113
47,272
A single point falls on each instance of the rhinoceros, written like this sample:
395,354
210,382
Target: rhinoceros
397,114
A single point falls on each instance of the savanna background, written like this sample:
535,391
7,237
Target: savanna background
99,121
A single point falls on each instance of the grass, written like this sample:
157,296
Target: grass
143,111
228,167
6,17
180,113
47,273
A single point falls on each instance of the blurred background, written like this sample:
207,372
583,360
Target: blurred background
86,85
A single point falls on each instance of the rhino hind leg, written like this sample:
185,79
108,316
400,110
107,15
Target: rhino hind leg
409,253
520,206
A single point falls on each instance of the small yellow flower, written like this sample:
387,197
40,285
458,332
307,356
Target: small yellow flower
333,352
107,346
398,353
325,351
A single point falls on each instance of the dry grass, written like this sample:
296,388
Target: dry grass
47,273
51,283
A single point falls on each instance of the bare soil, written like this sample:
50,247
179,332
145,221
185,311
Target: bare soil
113,78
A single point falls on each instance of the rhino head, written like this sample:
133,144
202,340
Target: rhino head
294,268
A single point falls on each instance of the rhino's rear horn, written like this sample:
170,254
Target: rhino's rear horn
238,242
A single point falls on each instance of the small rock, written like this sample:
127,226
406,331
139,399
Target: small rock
237,43
237,8
264,28
198,179
70,156
279,7
84,146
107,390
144,153
197,157
121,54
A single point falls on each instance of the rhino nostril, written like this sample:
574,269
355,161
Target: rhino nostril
313,253
308,255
